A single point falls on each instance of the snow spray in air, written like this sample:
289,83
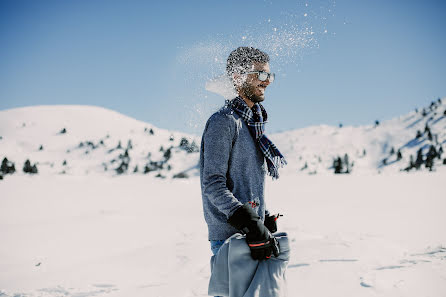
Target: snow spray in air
286,37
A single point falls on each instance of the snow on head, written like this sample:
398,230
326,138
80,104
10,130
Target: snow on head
285,37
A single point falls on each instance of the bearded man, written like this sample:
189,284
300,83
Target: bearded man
235,155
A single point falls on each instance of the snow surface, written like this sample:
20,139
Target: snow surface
76,229
351,235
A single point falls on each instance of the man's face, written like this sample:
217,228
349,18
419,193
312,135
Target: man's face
253,88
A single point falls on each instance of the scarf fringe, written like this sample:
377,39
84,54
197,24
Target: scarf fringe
256,123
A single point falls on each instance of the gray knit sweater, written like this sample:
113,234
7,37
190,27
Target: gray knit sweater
232,171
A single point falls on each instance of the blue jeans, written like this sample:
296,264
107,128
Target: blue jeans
215,246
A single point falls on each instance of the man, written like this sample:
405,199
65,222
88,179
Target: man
233,154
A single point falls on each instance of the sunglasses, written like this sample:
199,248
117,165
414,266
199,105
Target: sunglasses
262,75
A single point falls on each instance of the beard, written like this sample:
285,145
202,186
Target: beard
249,91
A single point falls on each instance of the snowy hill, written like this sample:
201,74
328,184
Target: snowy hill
370,149
86,139
82,140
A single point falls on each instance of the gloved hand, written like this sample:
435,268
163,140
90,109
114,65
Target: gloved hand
260,241
271,222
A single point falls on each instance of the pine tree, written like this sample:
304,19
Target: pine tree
429,135
7,167
399,156
167,154
337,165
28,168
432,153
419,161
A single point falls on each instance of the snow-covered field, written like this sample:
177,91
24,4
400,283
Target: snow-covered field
136,235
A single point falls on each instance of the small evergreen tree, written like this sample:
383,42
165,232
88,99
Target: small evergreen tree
419,135
167,154
392,151
429,135
419,161
28,168
7,167
399,156
337,165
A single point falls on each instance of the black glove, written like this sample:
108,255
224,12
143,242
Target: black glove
258,237
271,222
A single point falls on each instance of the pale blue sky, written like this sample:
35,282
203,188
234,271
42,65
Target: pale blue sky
335,61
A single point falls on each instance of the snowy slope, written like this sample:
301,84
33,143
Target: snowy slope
90,143
366,146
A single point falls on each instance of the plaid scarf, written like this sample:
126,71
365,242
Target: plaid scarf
256,118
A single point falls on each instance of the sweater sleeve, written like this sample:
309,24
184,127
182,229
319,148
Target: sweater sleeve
216,151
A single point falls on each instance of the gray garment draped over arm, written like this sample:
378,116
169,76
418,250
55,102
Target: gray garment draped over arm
235,274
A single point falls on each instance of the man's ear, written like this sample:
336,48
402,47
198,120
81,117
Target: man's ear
237,79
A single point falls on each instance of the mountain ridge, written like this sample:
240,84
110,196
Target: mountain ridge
86,139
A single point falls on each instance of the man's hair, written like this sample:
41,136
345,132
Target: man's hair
241,59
